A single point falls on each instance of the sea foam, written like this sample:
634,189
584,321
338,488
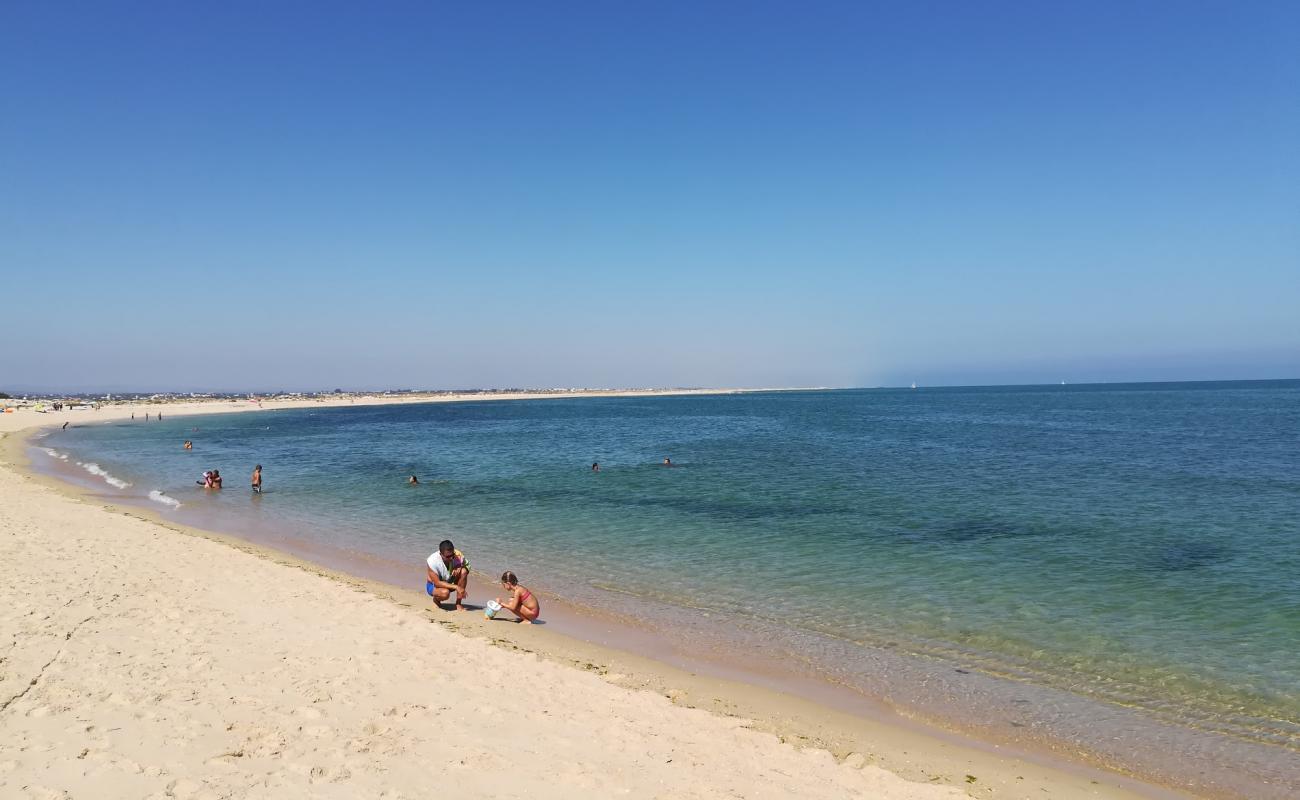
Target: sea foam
158,497
95,469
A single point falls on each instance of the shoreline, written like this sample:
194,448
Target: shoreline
870,733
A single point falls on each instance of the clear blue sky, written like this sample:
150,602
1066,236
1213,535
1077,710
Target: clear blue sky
263,195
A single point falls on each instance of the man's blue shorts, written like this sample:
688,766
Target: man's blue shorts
429,587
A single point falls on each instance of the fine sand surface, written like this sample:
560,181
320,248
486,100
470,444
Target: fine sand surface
139,661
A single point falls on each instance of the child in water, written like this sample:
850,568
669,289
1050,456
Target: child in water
522,603
257,479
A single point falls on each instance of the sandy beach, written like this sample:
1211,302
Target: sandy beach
145,660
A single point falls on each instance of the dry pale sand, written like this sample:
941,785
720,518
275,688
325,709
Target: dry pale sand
136,661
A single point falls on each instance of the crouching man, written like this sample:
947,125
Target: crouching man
448,572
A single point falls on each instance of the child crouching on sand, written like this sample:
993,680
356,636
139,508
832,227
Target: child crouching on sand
522,602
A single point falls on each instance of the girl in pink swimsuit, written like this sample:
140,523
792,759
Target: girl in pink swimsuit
522,602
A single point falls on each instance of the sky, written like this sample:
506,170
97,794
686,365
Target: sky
299,195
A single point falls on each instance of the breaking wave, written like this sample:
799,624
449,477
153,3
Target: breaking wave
95,469
158,497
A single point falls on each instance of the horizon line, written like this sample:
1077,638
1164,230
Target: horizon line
558,390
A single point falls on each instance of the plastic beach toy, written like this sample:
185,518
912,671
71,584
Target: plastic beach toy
491,609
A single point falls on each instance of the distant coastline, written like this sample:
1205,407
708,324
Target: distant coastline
185,400
18,398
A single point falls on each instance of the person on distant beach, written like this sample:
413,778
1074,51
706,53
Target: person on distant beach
160,416
595,467
522,603
448,571
188,445
146,416
132,415
65,426
414,481
257,479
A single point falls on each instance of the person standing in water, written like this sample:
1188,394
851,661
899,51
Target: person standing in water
257,479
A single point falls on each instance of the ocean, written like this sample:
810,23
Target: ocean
1112,563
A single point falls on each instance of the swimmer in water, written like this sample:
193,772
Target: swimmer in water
668,462
414,481
595,467
188,445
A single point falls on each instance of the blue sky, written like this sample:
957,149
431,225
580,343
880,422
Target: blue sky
265,195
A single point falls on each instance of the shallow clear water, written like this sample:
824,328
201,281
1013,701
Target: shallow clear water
1137,544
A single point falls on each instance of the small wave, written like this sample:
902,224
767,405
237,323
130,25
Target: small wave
159,497
95,469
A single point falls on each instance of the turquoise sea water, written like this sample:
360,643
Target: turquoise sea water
1135,544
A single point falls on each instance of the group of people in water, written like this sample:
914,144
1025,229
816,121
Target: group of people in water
212,477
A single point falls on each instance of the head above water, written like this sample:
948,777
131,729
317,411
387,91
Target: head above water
509,578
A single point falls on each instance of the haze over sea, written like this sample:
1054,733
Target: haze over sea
1133,544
